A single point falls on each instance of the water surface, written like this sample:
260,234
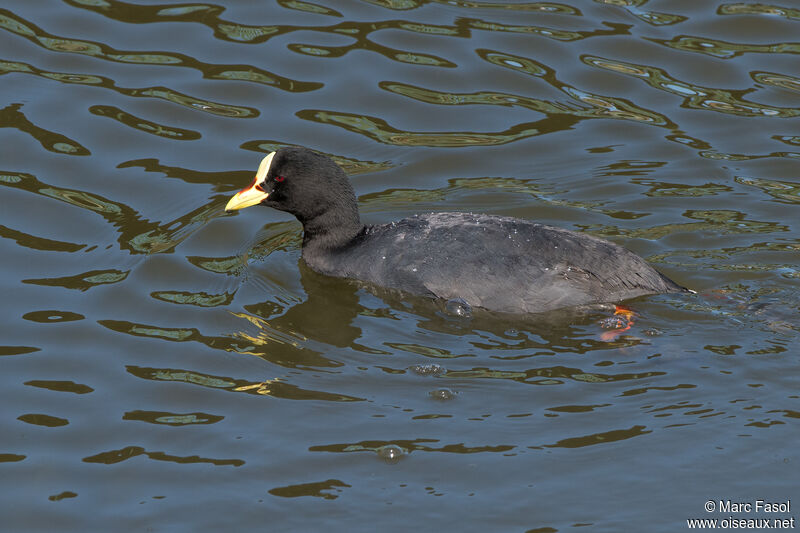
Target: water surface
165,366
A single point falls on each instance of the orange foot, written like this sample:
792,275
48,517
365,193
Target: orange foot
620,322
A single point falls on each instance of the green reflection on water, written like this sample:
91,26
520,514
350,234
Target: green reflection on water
662,188
541,7
21,27
427,351
717,221
277,236
172,419
17,350
695,96
379,130
274,387
316,489
724,50
280,345
60,386
200,299
600,106
163,93
552,375
309,7
651,17
62,495
153,128
117,456
38,419
83,281
710,154
135,234
408,445
253,34
783,81
38,243
431,199
601,438
219,265
245,34
781,191
543,31
12,117
52,316
758,9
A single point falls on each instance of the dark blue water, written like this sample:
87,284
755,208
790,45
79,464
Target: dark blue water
165,366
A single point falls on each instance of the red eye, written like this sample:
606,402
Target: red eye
279,178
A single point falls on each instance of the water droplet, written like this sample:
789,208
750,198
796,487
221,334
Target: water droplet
65,147
391,453
442,394
458,307
615,322
431,369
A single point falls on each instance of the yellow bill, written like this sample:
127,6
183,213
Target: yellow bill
255,193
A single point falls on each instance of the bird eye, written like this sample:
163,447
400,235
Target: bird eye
279,178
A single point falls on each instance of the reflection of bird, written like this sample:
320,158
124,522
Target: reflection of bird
498,263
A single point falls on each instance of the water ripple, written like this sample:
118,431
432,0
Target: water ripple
274,387
758,9
12,117
695,96
33,33
379,130
117,456
136,235
161,93
722,49
153,128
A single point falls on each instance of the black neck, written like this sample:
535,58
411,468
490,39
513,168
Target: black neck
332,229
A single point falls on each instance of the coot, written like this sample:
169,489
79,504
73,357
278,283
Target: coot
497,263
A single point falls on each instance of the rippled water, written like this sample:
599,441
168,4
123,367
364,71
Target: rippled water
169,367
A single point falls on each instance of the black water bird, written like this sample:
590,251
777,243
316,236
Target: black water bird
498,263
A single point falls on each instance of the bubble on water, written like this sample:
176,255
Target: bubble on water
65,147
391,453
615,322
442,394
652,332
458,307
431,369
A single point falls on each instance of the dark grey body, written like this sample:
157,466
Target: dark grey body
498,263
